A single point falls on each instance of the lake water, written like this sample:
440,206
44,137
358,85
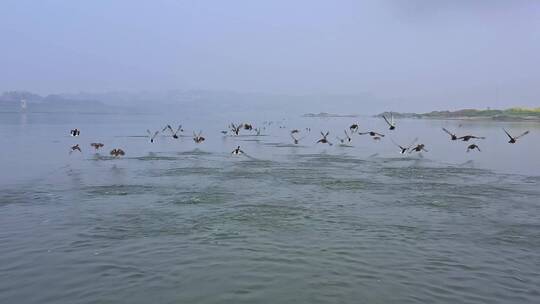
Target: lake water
176,222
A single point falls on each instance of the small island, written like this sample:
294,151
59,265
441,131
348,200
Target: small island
512,114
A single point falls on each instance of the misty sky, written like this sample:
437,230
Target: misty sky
422,52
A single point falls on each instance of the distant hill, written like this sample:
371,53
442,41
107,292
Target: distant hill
512,114
11,102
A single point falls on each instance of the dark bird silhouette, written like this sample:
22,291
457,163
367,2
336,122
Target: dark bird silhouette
323,140
390,122
293,131
237,151
235,129
452,135
469,137
151,135
513,140
353,128
418,148
173,133
295,139
403,149
372,134
75,132
472,147
97,146
117,152
346,139
248,127
75,148
198,138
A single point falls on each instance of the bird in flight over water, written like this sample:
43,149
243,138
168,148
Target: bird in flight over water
97,146
372,134
402,149
198,138
75,132
472,147
75,148
391,123
323,140
346,139
174,133
453,136
235,129
418,148
117,152
237,151
295,139
469,137
513,139
353,128
151,135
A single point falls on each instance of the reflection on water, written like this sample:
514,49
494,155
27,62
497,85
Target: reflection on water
178,222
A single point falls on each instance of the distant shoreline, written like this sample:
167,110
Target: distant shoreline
512,114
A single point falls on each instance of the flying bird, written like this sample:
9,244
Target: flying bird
472,147
513,140
323,140
372,134
248,127
390,122
151,135
353,128
235,129
418,148
198,138
174,133
97,146
75,148
75,132
117,152
295,139
453,136
469,137
346,139
237,151
403,149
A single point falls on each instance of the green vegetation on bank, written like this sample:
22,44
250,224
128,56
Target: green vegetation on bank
507,114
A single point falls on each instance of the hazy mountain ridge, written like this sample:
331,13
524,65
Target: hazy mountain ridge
190,101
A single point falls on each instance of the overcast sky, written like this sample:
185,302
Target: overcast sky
422,52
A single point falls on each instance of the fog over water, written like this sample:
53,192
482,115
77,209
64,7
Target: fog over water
412,55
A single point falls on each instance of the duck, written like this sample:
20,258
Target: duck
151,135
513,139
97,146
323,140
117,152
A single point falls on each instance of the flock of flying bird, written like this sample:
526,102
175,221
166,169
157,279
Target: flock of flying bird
297,136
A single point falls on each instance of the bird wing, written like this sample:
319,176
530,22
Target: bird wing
507,133
149,133
155,134
386,119
179,128
412,143
448,132
347,134
523,134
294,138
